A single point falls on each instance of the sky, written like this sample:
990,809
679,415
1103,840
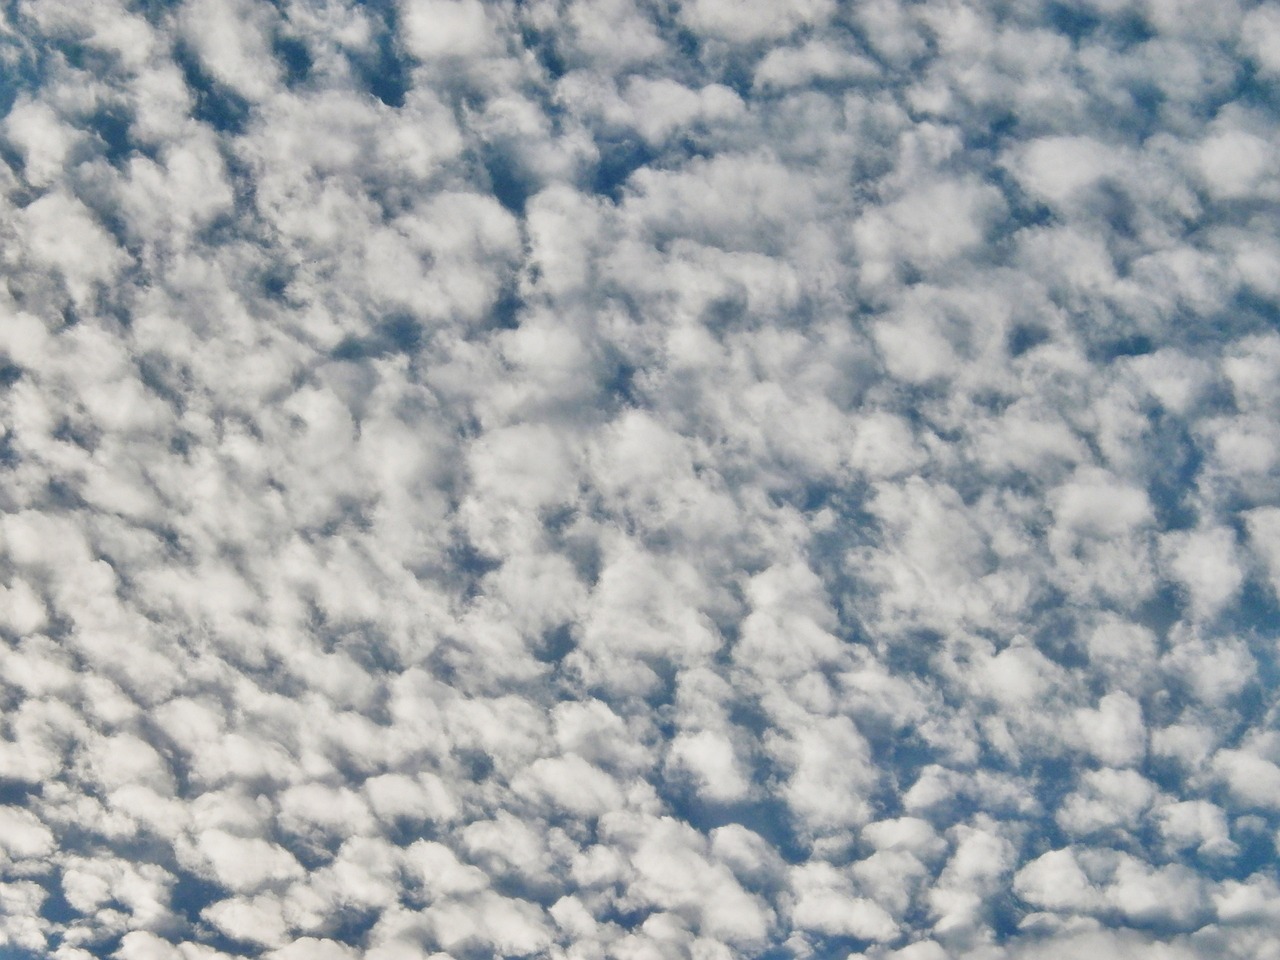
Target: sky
639,479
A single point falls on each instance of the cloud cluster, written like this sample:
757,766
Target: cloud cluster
638,480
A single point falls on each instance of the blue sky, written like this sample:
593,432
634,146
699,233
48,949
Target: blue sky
627,480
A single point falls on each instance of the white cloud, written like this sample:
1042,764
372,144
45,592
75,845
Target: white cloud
25,837
1055,881
1114,732
1256,898
1057,168
831,774
258,920
1173,893
1107,799
232,42
708,756
435,29
1232,162
629,480
1252,779
1204,562
573,785
926,227
978,863
661,107
755,20
1213,672
612,33
1260,36
424,797
44,140
61,234
244,864
512,927
789,67
439,869
825,903
1195,823
673,872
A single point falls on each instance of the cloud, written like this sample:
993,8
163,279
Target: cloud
1056,881
825,903
755,21
629,480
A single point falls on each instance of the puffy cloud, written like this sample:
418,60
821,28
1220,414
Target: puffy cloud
25,836
1204,563
708,756
792,67
825,903
1195,823
1106,799
257,920
831,774
1250,777
1055,881
979,861
92,258
755,20
1115,732
441,29
614,479
244,864
673,872
23,927
1171,894
232,41
512,927
1260,32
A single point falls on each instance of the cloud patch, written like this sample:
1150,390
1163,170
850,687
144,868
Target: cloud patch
628,480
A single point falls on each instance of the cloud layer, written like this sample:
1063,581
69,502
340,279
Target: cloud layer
639,480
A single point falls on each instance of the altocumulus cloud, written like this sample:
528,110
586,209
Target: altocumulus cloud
582,479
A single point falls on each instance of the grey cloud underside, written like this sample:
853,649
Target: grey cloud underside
639,480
